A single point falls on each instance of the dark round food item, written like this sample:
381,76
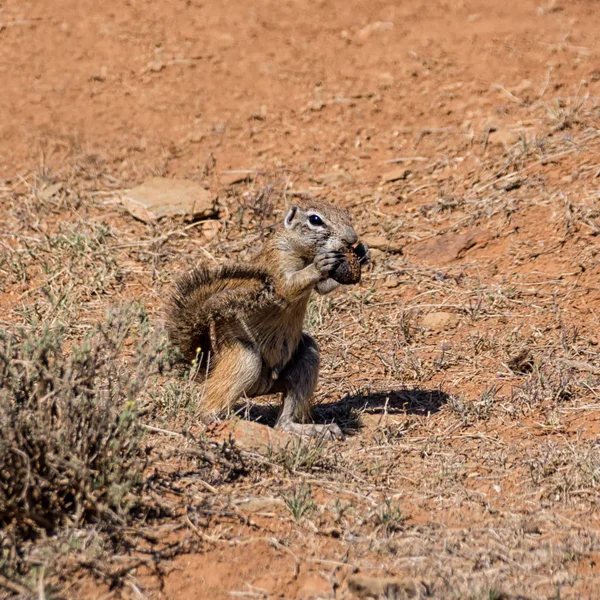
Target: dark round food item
348,272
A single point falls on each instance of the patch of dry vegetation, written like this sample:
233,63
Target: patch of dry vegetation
71,451
465,471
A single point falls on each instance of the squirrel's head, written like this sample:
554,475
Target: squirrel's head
319,226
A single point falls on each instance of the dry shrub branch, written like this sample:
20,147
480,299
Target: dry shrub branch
69,450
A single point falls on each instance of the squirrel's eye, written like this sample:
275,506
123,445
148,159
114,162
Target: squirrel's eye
315,220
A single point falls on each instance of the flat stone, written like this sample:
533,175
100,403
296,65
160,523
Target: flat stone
315,105
392,282
504,137
368,30
440,321
159,197
507,137
251,436
380,242
395,175
365,587
448,247
262,505
239,176
50,191
335,178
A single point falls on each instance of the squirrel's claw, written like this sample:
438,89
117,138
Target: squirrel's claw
364,253
326,262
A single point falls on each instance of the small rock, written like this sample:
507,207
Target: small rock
368,30
210,229
155,66
512,184
259,115
334,532
391,282
315,105
382,587
339,177
234,177
195,137
522,362
440,321
549,7
509,137
262,505
385,79
445,248
395,175
379,242
532,527
50,191
251,436
160,197
505,137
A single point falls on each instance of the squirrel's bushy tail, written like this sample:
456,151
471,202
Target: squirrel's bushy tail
184,318
231,289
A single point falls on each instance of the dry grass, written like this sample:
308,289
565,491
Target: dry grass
470,466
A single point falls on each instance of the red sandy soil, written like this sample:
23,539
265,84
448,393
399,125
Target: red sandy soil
491,112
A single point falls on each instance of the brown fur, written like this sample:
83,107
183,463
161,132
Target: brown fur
244,322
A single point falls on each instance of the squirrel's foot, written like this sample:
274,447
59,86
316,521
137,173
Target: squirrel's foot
326,432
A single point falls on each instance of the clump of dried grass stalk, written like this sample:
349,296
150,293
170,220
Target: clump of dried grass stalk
70,451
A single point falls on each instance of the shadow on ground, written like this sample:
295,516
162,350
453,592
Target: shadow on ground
347,411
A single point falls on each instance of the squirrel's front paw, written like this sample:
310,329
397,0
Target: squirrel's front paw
326,262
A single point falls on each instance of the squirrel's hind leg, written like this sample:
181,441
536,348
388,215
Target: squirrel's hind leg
236,372
297,381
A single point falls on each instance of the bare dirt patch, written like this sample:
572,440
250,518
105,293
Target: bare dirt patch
465,369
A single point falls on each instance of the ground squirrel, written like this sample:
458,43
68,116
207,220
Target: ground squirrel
244,322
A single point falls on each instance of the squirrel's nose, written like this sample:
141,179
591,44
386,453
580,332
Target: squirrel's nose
350,237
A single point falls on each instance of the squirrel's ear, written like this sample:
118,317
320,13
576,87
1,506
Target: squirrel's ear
289,218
